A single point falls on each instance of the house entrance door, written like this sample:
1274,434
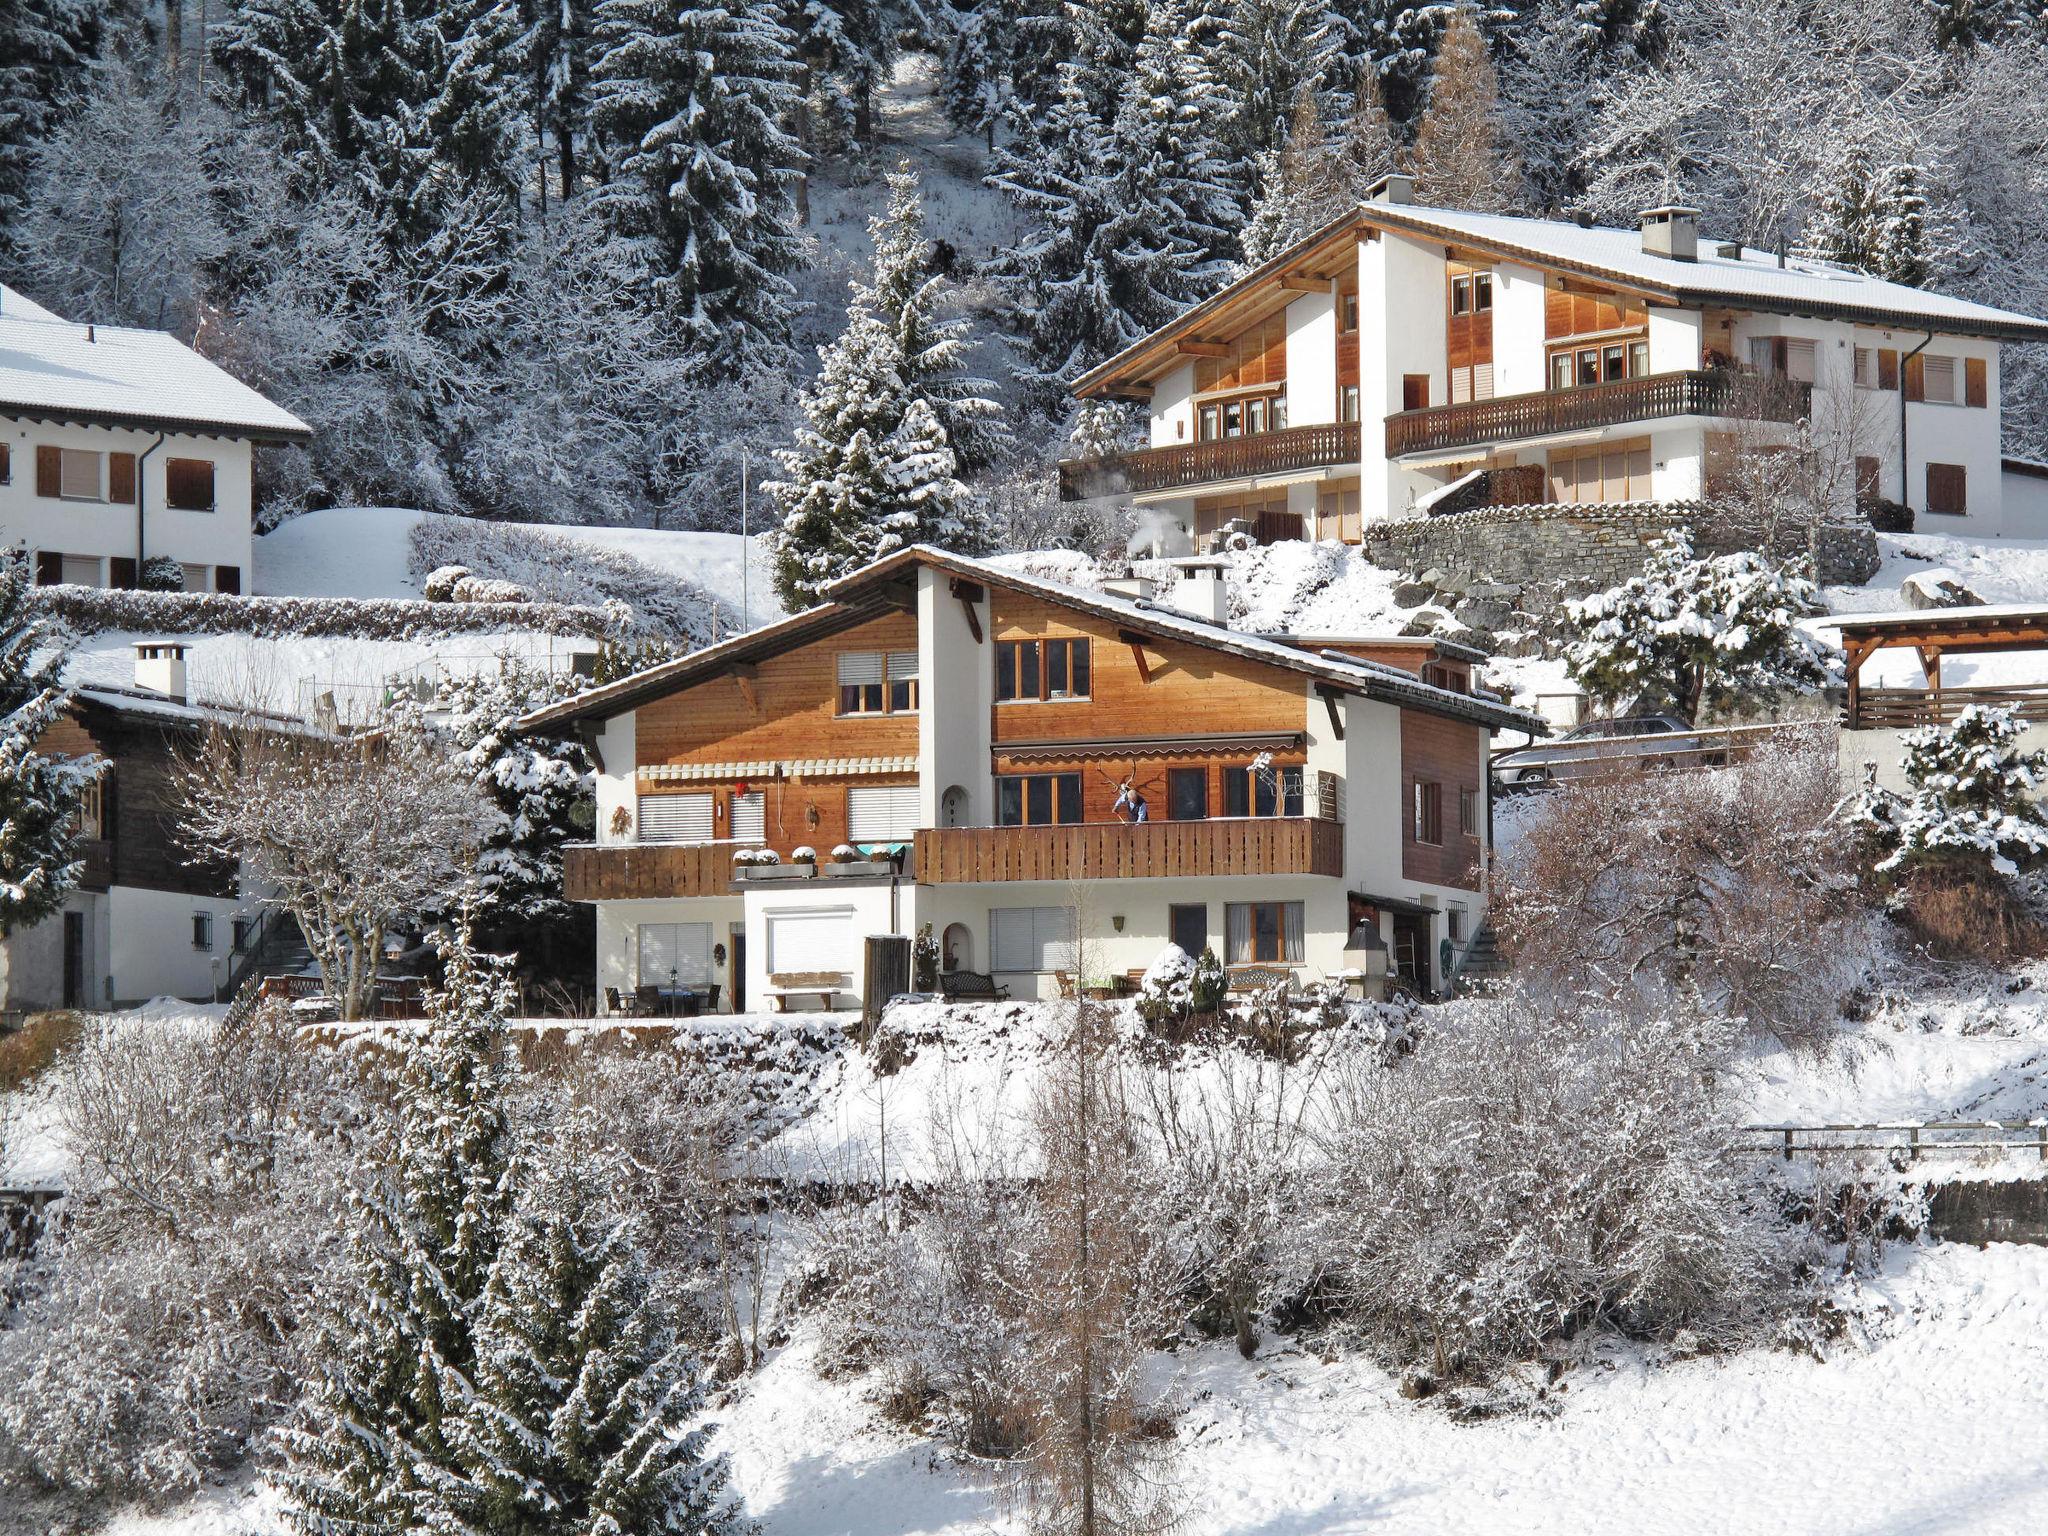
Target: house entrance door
739,970
1411,951
74,959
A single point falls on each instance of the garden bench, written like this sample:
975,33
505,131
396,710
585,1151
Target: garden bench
823,985
1260,978
970,986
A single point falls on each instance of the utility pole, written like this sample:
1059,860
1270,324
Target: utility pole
746,544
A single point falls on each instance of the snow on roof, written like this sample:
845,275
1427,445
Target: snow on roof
1753,276
51,368
137,701
1921,618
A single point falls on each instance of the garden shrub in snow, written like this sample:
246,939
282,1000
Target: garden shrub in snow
1972,800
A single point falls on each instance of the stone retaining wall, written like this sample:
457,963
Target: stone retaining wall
1554,552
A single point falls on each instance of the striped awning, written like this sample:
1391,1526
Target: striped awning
770,768
1150,746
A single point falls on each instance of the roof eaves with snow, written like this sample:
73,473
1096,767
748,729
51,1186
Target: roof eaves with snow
54,370
161,706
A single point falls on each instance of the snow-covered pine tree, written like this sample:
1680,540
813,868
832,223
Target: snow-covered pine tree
45,49
1873,217
931,351
1714,634
560,49
1271,57
1391,40
1313,180
1126,233
1462,158
585,1392
974,80
38,794
1973,800
691,100
376,1444
923,479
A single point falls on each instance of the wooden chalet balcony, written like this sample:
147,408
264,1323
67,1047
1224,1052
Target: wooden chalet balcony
1115,850
1657,396
623,871
1322,446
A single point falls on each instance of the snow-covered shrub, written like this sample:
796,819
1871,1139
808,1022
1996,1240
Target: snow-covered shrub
1972,800
159,1333
1717,634
1733,884
487,589
1527,1175
803,854
846,853
440,583
1165,990
924,959
92,610
160,573
555,568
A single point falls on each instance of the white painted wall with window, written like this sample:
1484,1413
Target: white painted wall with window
155,947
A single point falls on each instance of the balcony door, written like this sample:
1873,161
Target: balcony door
1469,333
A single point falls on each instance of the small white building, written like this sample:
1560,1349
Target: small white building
1405,351
120,445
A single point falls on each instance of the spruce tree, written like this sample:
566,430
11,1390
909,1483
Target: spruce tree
377,1445
46,47
560,49
1313,181
691,100
585,1393
1873,218
1462,159
38,794
1273,56
931,352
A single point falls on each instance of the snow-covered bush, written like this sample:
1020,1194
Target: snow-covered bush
1717,634
1164,991
92,610
159,1332
440,583
1732,884
160,573
803,854
846,853
1526,1176
1972,800
487,589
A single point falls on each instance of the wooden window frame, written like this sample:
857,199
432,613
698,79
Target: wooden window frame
1174,919
1241,786
1278,912
1427,826
1181,776
883,692
1063,790
1468,812
1009,657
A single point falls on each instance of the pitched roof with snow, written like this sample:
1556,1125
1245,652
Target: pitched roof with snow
102,375
863,593
1749,279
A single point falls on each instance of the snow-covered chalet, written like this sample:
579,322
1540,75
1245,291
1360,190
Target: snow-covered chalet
958,744
1408,359
121,446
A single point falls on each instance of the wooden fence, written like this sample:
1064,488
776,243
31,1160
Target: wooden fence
1904,708
1914,1138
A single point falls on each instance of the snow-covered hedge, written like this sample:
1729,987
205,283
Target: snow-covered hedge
91,610
462,556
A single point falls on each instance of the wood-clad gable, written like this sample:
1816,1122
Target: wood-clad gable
1452,756
1178,686
140,798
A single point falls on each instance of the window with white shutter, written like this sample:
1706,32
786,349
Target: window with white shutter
81,570
675,954
902,681
1939,376
811,939
860,682
749,820
79,475
881,813
675,819
1031,938
1799,360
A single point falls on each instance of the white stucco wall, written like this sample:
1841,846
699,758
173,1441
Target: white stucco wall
1173,411
150,951
32,959
1401,331
103,529
2025,503
875,908
1312,359
1678,468
957,680
618,939
1674,339
616,785
1517,329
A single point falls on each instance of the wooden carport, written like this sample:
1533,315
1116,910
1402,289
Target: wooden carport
1933,634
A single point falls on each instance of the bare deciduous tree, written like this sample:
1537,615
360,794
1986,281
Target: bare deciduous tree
349,835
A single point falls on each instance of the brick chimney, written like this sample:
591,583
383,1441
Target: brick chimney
160,668
1671,231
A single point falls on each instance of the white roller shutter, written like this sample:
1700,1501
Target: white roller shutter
902,666
675,819
749,820
811,939
675,954
881,813
859,668
1031,938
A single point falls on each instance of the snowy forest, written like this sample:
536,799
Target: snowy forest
573,262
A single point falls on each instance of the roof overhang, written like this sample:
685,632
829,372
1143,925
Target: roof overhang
27,410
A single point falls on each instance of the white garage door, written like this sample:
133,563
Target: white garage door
811,939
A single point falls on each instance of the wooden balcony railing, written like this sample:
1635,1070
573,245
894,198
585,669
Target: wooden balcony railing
622,871
1236,458
1907,708
1505,418
1115,850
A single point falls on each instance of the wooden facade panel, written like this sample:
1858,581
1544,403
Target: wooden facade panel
1452,754
1115,851
1190,689
796,812
794,712
626,872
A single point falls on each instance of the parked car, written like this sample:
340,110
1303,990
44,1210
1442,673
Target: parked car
1600,746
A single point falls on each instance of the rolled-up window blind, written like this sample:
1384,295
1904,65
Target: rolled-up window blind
902,666
749,820
859,668
675,819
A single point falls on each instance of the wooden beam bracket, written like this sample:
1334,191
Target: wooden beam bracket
969,593
1329,698
743,673
1136,642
